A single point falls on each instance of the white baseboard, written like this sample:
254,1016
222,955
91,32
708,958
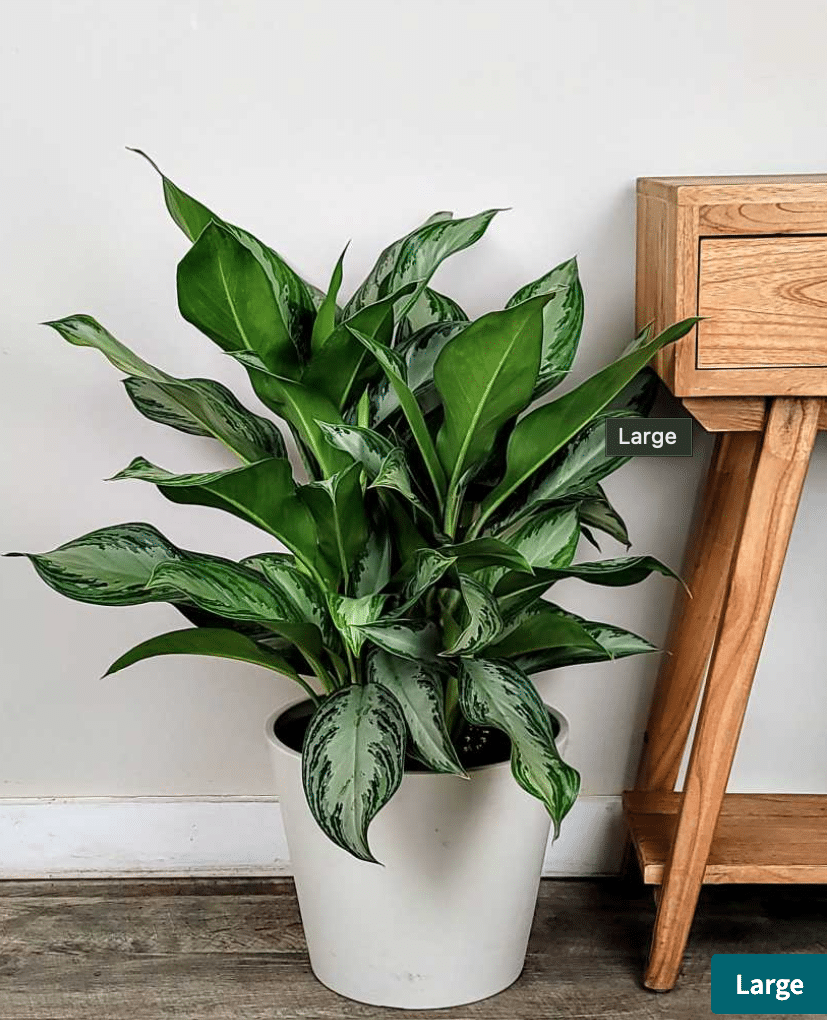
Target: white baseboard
222,837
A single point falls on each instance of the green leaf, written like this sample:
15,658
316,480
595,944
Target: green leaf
189,215
562,322
537,437
217,642
395,371
327,313
350,614
109,567
485,375
415,257
614,642
225,291
625,570
411,639
336,504
541,625
198,406
418,689
497,694
253,492
343,367
296,298
353,758
483,623
481,553
302,407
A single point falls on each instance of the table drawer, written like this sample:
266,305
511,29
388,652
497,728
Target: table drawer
764,302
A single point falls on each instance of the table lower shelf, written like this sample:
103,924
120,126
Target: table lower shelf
764,838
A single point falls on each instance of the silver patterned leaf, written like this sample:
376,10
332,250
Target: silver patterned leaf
418,688
353,758
109,567
498,694
484,622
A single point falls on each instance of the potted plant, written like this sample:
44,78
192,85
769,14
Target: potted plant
441,501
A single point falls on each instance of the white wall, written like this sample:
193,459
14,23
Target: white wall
312,123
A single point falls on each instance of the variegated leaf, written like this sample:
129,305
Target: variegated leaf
419,353
419,691
596,511
205,408
109,567
420,572
415,257
237,593
353,759
484,622
481,553
393,474
429,309
549,538
363,445
301,591
412,639
200,407
350,614
562,322
625,570
395,371
498,694
373,567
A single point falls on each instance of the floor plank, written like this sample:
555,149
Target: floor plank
216,950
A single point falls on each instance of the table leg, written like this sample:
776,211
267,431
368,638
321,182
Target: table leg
695,620
756,568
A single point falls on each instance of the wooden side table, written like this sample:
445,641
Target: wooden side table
748,254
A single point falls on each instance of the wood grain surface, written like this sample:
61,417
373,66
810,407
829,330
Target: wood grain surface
773,500
231,950
764,302
758,837
697,615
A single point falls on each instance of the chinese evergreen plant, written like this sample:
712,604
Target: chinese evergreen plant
442,501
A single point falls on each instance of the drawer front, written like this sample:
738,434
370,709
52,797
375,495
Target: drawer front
764,302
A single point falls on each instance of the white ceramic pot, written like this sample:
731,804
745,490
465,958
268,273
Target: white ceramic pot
446,920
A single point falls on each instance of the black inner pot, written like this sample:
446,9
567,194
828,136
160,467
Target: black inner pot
478,746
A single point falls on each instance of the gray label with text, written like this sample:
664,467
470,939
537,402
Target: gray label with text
648,437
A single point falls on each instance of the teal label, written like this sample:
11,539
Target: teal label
648,437
769,983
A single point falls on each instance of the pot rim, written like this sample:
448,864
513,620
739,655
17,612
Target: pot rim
278,745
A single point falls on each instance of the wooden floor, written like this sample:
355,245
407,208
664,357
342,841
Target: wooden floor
216,950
